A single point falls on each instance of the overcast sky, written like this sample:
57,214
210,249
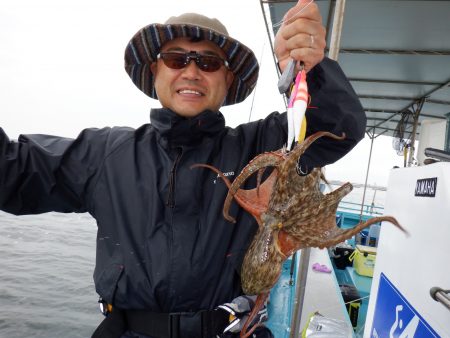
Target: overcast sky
61,70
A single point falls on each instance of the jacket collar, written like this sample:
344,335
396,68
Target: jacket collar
179,130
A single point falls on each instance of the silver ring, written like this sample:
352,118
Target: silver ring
312,40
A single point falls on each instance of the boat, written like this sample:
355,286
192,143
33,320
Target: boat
387,284
328,292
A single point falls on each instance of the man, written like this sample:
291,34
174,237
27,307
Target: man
166,258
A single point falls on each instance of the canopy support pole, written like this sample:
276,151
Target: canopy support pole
300,292
367,177
412,148
305,253
338,21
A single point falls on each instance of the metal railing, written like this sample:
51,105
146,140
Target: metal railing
368,209
440,295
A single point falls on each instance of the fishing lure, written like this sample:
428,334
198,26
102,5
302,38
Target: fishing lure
296,110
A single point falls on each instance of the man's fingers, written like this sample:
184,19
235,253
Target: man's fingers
303,9
301,36
306,24
304,40
308,57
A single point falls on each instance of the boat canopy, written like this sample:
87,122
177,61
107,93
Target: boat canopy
396,54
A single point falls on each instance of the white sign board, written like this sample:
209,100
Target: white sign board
407,267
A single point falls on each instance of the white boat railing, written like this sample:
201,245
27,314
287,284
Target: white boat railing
367,209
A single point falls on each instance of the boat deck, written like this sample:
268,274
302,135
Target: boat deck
322,294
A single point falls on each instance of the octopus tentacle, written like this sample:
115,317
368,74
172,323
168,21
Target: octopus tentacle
251,200
261,161
269,159
301,147
254,200
259,303
336,235
217,171
259,179
289,167
312,215
298,151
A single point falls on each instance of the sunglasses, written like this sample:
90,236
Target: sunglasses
206,63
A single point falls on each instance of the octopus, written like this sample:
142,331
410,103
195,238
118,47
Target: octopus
292,213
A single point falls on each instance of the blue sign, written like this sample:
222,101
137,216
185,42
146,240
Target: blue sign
395,318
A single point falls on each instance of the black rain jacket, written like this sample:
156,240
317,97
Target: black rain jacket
162,243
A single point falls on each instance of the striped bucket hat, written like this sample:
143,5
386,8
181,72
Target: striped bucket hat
145,45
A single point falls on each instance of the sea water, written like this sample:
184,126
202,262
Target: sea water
46,284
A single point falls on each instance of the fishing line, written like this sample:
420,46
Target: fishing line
254,90
358,334
293,17
338,306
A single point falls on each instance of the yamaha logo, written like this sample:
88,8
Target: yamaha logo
426,187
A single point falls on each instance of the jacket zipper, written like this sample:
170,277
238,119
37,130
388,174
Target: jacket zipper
172,179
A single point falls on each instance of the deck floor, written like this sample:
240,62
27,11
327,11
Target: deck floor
322,294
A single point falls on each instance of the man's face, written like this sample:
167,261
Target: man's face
189,91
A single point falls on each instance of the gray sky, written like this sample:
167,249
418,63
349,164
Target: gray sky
61,70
